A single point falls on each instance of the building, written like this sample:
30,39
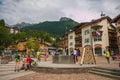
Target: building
99,34
64,42
13,30
71,41
78,33
116,20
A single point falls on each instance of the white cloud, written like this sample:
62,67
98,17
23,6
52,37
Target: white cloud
109,6
33,11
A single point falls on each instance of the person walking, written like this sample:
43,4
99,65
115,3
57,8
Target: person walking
107,56
75,56
112,55
38,55
17,62
45,55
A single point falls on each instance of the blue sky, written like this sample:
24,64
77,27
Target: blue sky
35,11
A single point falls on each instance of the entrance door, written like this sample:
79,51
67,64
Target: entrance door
98,51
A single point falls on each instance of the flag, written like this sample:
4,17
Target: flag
97,33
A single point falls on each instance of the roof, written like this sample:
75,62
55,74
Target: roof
97,20
116,18
79,25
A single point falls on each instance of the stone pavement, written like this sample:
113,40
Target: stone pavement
49,64
73,76
102,62
7,72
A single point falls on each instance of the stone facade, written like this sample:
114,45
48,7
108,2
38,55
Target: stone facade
99,34
71,42
116,20
99,41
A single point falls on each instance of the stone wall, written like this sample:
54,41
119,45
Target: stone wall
63,59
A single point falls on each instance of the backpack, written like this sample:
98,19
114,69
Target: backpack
17,56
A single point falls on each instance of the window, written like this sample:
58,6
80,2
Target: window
86,32
71,37
95,29
98,51
97,39
87,40
71,44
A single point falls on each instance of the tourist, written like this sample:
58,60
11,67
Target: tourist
75,56
17,62
107,56
45,55
112,55
23,64
55,52
38,55
28,62
78,52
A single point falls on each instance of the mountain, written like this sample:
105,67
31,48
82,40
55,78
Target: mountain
22,24
53,27
65,19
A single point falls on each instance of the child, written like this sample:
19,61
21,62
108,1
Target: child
28,63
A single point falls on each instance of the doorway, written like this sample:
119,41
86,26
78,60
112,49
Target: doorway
98,51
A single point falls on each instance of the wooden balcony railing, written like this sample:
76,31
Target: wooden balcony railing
118,43
113,37
78,38
95,34
78,45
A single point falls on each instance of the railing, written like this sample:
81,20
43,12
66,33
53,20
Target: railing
78,44
78,38
94,33
113,37
118,42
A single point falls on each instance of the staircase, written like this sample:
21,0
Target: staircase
7,72
108,72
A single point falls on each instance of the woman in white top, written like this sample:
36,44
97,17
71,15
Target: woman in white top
75,56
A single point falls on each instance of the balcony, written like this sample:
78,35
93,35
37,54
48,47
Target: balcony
118,42
78,38
118,29
78,31
111,31
113,44
113,37
94,33
78,45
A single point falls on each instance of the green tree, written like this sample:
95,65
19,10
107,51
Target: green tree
32,44
47,37
20,36
6,39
